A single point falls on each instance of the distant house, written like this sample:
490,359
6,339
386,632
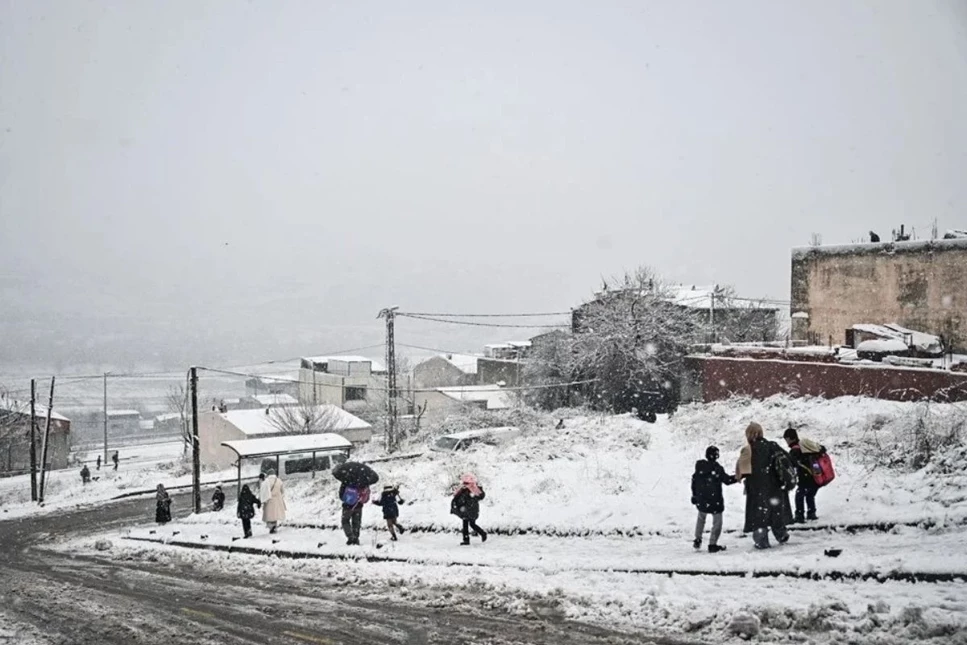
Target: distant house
512,350
216,427
262,401
168,423
15,436
349,382
440,402
541,341
123,422
446,370
273,384
497,371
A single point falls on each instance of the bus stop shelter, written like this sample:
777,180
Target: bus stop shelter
302,444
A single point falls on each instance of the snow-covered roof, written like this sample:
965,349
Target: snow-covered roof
168,416
927,343
275,399
288,444
882,346
278,378
495,397
466,363
955,233
23,407
123,413
483,432
256,422
510,344
376,366
886,248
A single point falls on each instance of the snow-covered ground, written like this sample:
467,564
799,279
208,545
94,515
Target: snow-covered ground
590,522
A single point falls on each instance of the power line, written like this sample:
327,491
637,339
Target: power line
476,324
528,315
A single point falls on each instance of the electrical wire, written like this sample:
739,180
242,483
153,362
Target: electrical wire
477,324
528,315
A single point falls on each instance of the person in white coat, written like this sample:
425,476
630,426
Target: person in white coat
272,496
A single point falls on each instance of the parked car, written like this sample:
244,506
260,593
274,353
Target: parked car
461,440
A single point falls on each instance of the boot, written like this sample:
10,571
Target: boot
466,542
483,536
715,548
400,529
799,519
811,515
697,544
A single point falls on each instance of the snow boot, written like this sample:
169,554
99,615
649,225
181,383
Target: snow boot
483,536
811,515
400,529
799,519
465,543
697,544
715,548
393,538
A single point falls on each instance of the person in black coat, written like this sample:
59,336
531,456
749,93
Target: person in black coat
218,499
466,505
352,514
247,501
707,482
766,502
802,452
390,500
162,512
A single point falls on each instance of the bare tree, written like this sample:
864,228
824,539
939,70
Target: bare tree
304,418
177,401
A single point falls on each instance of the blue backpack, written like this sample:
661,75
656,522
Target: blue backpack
352,496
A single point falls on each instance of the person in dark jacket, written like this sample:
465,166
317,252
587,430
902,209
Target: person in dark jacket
466,505
218,499
707,482
766,502
352,514
390,500
85,474
247,501
99,462
802,452
116,458
162,512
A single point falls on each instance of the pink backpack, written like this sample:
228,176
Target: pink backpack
822,467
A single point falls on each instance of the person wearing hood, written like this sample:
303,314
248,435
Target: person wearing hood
218,498
247,501
707,482
272,496
162,512
802,452
466,505
766,501
390,500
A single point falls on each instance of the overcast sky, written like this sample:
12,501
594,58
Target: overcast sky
268,175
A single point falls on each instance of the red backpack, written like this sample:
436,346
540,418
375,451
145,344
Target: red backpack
822,467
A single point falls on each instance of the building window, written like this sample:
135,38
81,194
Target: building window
355,393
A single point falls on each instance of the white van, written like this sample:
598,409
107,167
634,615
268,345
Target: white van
461,440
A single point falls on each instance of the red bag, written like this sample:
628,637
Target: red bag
822,467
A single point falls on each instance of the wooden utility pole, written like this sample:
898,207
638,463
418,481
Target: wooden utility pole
33,440
195,444
46,443
392,440
105,418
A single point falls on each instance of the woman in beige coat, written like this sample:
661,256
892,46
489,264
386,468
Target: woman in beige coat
271,494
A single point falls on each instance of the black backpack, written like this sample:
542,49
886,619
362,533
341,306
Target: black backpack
783,469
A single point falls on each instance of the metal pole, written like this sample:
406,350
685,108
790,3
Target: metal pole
195,446
392,441
238,488
105,418
46,443
33,440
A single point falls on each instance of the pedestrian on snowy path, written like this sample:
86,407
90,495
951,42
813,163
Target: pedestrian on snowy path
99,462
272,496
466,505
707,482
116,458
247,501
802,452
218,498
766,501
85,474
162,512
390,500
353,500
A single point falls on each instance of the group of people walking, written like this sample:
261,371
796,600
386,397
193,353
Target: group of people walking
768,473
86,472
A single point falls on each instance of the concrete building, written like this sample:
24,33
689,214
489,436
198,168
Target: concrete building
216,427
441,402
446,370
348,382
287,383
15,436
262,401
918,285
122,423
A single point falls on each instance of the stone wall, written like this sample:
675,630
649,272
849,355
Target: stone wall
920,285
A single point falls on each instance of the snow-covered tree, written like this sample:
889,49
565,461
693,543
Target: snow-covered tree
304,418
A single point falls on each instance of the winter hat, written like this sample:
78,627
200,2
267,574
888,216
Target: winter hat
712,453
469,482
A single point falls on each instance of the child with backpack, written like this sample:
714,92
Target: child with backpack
814,469
353,499
390,500
707,482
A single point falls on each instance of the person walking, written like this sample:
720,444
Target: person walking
245,510
766,500
353,499
390,500
85,474
99,462
707,482
466,505
218,498
162,512
272,496
116,458
802,452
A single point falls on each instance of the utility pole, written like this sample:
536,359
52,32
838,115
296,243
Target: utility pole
711,316
105,418
392,440
195,445
33,440
46,443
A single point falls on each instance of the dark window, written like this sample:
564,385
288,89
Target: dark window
355,394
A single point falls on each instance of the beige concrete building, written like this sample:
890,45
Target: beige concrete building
438,403
919,285
348,382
